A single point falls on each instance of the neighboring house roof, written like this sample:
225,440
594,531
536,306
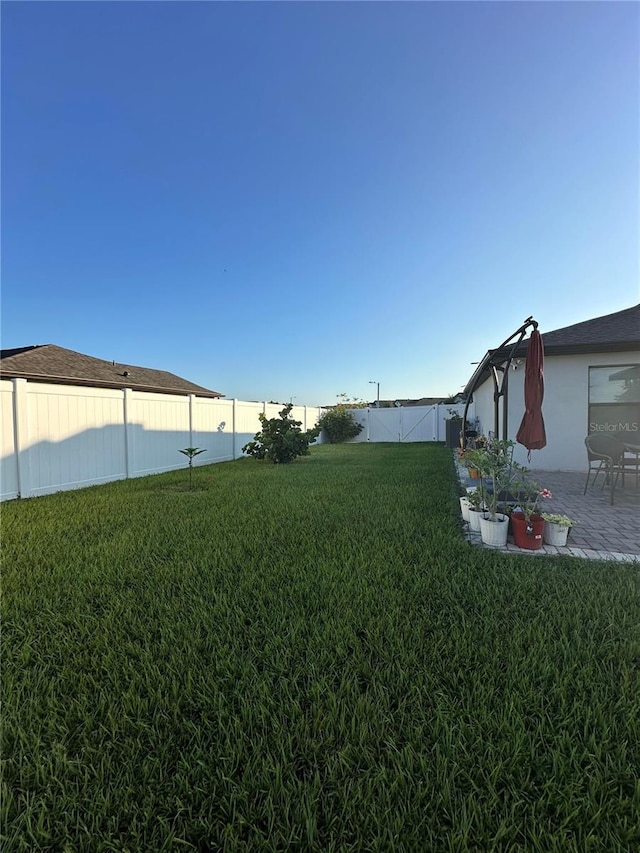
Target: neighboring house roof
413,401
390,404
51,363
617,332
421,401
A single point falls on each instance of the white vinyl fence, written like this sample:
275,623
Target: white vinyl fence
406,423
59,437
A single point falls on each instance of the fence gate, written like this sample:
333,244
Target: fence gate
418,424
410,423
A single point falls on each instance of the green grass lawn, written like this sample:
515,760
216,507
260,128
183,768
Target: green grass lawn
309,657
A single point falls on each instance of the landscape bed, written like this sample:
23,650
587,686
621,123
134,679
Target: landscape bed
309,657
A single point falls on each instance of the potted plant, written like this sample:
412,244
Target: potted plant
556,528
470,460
494,462
464,506
526,522
477,507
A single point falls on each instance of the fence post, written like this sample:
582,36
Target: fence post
128,437
21,436
234,429
192,402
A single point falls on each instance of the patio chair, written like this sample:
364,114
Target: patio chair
606,456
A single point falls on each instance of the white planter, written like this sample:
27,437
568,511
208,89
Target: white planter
494,532
464,508
554,534
474,518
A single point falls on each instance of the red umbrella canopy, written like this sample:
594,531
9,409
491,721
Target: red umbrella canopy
531,432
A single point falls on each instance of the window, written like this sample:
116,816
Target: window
614,399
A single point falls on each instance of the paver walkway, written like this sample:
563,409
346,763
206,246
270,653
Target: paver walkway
604,532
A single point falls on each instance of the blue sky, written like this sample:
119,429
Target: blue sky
280,200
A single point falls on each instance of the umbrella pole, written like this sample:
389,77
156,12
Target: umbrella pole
497,362
496,401
505,402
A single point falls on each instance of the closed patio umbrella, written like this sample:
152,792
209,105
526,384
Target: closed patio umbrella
531,432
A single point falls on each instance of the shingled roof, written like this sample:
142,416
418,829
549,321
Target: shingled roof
617,332
613,332
51,363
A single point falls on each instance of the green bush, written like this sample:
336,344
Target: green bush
338,424
281,439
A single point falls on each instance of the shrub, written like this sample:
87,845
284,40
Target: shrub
338,424
281,439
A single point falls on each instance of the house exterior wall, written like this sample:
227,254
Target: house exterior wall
565,408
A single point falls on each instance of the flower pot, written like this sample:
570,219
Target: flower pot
555,534
473,473
494,531
464,508
527,534
474,518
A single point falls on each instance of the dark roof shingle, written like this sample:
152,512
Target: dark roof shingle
51,363
620,330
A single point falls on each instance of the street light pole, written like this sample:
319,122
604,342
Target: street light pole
373,382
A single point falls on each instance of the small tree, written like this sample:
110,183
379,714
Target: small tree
497,470
191,452
281,439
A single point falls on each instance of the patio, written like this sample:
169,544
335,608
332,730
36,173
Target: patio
605,532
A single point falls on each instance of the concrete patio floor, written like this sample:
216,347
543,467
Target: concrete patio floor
604,532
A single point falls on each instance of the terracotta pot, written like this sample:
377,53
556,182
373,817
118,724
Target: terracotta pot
474,473
527,534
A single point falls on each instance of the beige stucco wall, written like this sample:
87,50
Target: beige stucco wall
565,408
